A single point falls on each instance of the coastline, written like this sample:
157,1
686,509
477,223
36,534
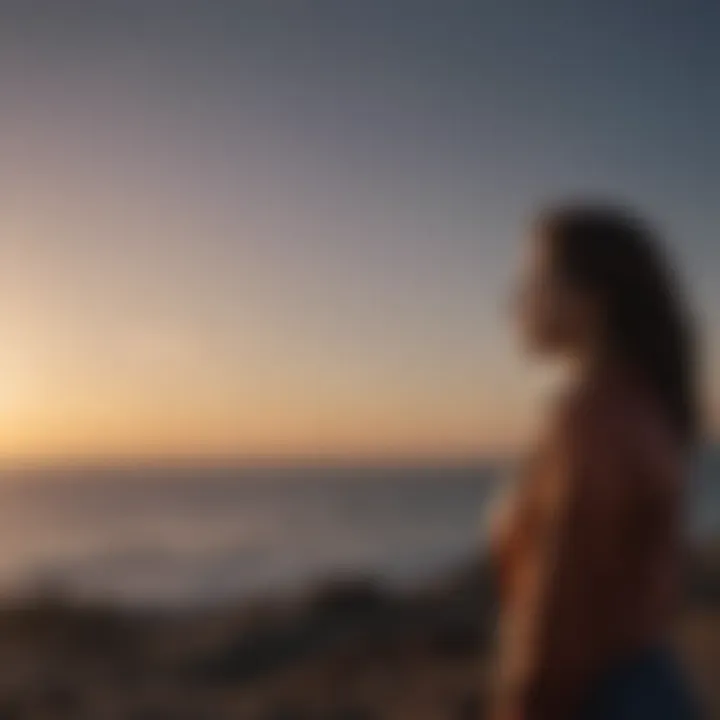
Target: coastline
348,648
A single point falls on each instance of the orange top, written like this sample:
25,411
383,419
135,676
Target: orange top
589,550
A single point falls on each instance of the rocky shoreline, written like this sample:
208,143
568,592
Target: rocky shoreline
347,649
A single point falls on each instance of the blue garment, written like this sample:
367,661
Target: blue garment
651,686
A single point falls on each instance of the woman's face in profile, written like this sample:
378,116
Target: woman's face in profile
553,317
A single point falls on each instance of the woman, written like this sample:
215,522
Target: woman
589,552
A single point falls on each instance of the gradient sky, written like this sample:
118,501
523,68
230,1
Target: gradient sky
289,227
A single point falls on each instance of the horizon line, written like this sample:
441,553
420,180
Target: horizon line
200,461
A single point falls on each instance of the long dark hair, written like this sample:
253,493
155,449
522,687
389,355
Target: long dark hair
612,254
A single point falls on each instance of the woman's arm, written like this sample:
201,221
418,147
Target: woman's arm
549,634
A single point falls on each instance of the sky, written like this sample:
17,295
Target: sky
289,228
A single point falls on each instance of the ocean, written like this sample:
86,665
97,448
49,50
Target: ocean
192,536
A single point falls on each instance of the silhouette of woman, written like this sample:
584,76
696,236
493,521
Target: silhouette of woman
588,553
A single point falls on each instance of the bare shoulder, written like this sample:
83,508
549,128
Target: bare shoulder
619,428
653,450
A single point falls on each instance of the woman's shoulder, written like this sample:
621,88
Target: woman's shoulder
616,422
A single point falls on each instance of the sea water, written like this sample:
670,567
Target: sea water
187,535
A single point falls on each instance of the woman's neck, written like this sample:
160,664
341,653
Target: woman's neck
590,367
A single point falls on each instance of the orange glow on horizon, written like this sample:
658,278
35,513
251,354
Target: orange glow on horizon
271,431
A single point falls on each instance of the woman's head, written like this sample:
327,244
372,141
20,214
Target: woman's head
598,286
